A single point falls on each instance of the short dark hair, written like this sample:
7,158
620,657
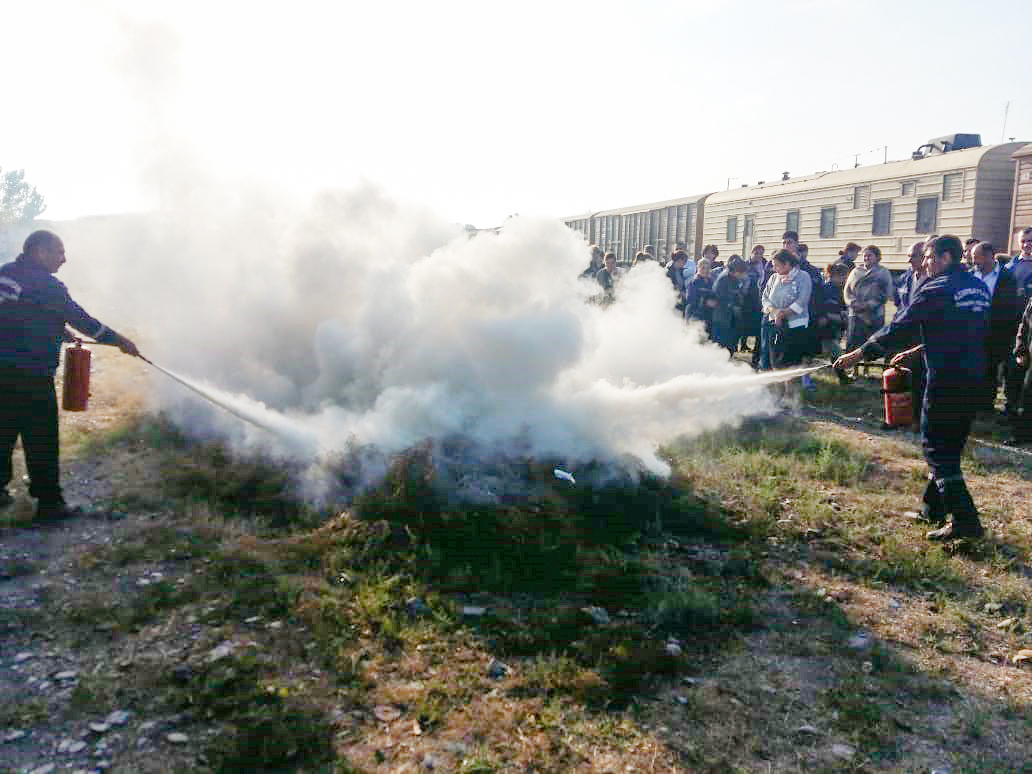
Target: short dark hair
874,249
838,268
783,256
804,247
793,235
972,241
851,246
736,264
679,255
987,247
38,240
947,244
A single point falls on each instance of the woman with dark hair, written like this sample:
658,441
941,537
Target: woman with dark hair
786,311
727,315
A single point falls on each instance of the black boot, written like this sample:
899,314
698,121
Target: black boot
965,523
933,509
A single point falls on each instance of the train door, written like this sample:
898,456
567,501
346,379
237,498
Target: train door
748,236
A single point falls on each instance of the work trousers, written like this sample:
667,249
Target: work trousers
1014,381
28,408
946,416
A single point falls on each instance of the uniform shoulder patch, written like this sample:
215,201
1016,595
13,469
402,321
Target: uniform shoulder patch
10,290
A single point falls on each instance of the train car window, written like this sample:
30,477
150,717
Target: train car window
792,221
908,188
881,224
927,214
953,187
732,229
862,197
828,222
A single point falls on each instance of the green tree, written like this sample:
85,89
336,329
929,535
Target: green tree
19,202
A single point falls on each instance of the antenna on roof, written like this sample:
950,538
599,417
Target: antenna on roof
1006,110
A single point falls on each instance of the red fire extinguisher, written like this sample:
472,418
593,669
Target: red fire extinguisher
896,396
76,390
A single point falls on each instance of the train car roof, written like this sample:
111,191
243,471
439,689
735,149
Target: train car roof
639,207
939,162
1022,152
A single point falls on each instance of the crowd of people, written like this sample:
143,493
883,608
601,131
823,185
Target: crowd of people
962,324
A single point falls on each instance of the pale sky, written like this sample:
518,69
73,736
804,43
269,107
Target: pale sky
482,109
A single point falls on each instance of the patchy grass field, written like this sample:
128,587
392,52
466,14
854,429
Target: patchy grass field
772,607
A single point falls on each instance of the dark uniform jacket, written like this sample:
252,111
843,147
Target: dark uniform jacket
34,308
951,312
1023,339
1003,315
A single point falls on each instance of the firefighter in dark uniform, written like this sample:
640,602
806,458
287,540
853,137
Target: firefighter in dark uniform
34,309
951,311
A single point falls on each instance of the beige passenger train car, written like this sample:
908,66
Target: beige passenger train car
627,230
1021,215
961,192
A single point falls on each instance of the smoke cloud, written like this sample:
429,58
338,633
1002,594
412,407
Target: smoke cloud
356,321
362,321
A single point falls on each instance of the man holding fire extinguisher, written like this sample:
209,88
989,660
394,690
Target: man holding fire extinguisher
34,309
951,311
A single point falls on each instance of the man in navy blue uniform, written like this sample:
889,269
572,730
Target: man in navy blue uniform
951,311
34,309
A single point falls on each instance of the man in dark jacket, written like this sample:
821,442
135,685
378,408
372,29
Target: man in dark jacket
951,311
34,309
1021,268
1003,315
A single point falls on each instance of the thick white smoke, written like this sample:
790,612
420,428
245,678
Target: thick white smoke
363,321
357,321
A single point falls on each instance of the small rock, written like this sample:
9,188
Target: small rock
64,745
182,673
68,674
117,718
692,680
99,728
253,619
682,700
12,736
143,581
597,614
177,737
912,515
992,607
103,765
861,641
225,650
274,625
673,649
496,669
429,762
867,667
843,751
895,604
1006,623
473,611
806,728
76,747
1022,657
417,608
941,770
385,713
46,768
20,657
